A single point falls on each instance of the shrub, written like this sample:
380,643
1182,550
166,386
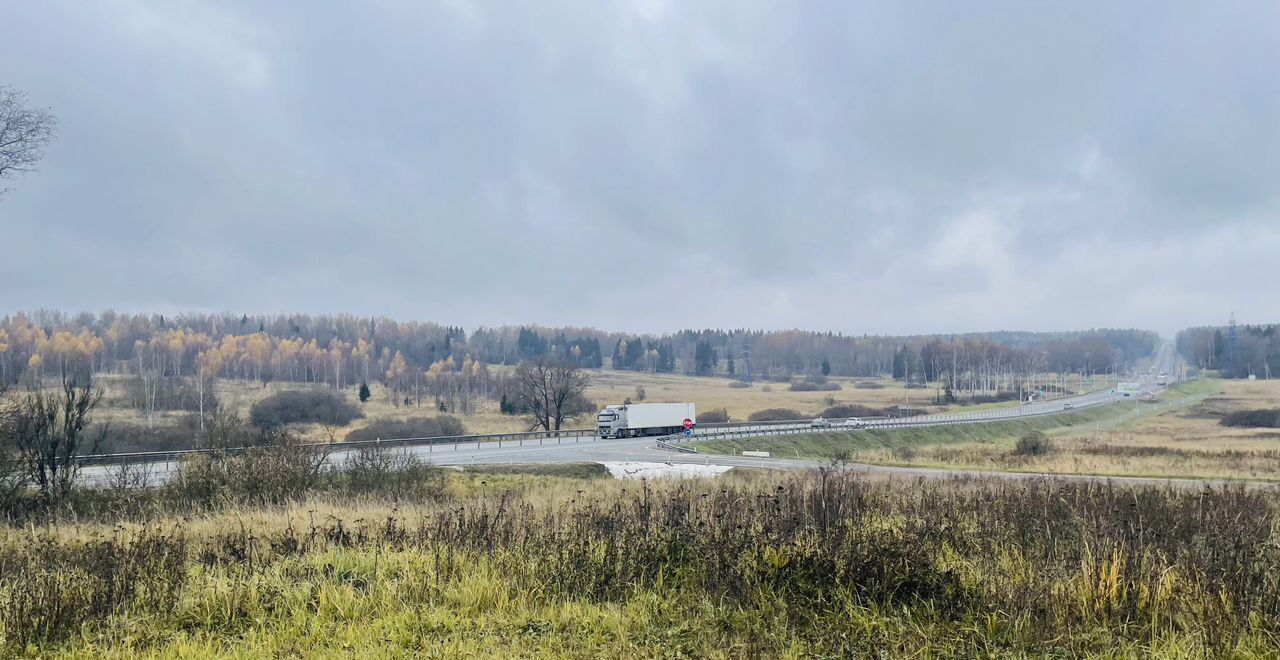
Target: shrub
282,470
393,472
718,416
774,415
810,386
303,406
852,410
1264,419
998,397
868,385
1034,443
126,437
414,427
739,385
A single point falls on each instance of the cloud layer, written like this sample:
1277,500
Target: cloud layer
890,167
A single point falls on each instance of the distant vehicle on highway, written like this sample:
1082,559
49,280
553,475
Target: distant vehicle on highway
634,419
819,422
854,422
1067,406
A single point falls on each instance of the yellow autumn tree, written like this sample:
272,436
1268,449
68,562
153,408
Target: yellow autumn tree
258,349
337,355
396,377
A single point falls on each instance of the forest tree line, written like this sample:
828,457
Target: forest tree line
1236,351
175,358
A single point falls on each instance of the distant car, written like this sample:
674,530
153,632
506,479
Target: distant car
854,422
1067,406
819,422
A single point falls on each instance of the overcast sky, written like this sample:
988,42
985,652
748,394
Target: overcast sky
897,167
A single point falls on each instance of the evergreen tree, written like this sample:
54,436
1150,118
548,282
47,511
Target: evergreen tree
364,392
826,367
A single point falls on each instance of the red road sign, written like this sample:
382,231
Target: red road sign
688,423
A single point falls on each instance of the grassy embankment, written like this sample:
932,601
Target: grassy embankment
815,565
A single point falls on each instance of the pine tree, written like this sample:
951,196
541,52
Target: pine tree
364,392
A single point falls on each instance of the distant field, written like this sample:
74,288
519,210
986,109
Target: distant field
715,393
607,387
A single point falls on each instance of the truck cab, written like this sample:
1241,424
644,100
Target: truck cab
610,421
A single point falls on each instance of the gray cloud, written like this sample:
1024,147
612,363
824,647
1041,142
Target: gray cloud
892,167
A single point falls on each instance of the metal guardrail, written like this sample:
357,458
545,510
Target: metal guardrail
663,444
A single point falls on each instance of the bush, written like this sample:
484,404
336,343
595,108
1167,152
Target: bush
1034,443
135,437
283,470
1259,419
393,472
718,416
774,415
868,385
810,386
303,406
852,410
414,427
739,385
998,397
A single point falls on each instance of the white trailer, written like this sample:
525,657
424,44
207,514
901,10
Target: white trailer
634,419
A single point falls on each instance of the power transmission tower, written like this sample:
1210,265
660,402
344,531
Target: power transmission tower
746,362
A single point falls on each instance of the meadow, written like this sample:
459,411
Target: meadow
820,564
607,386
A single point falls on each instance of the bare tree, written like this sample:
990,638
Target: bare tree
13,474
551,392
24,132
48,430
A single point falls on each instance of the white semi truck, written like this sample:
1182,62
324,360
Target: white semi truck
633,419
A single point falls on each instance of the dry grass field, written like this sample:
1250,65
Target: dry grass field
716,393
822,564
607,387
1183,439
